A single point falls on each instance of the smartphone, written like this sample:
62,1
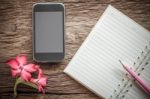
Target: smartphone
48,32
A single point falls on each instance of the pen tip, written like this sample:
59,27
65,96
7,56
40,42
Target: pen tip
121,62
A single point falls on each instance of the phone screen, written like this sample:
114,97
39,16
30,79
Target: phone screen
49,32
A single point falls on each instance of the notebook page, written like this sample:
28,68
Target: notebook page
114,37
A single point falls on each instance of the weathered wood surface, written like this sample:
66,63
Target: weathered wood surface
81,16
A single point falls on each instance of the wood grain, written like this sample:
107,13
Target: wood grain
81,16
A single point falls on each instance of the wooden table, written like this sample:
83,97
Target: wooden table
81,16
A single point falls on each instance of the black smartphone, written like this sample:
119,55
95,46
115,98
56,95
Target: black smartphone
48,32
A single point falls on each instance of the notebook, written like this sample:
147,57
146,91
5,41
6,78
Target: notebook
95,65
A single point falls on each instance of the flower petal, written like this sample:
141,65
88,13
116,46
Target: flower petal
22,59
30,68
41,89
15,73
40,73
33,80
43,81
25,75
13,64
37,66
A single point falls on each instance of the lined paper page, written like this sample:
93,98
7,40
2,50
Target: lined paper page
114,37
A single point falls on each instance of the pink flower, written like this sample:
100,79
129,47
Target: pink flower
41,81
19,67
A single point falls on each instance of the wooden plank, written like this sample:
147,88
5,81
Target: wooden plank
50,96
81,16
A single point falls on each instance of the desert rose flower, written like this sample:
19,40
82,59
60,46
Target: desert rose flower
23,73
41,81
19,67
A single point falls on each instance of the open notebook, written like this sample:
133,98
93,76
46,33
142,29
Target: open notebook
96,66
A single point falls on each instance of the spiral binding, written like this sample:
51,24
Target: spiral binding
140,64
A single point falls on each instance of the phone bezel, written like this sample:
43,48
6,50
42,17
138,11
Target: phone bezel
48,57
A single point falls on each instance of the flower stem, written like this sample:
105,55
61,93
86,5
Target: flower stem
20,81
15,92
30,84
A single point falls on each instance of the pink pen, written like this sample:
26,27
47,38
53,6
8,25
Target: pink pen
141,82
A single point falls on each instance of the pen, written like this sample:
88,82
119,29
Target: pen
140,82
